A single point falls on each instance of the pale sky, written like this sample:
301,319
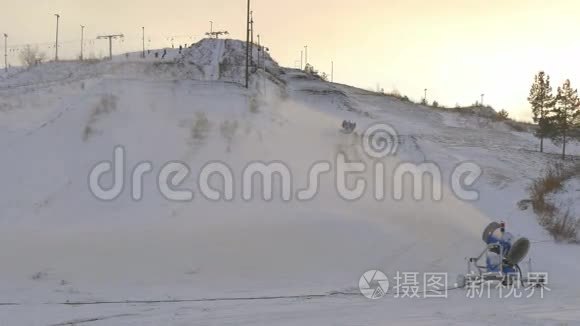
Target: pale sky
457,49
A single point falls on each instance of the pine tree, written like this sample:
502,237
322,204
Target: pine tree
566,115
542,101
503,115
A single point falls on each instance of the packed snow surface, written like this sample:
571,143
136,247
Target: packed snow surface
156,261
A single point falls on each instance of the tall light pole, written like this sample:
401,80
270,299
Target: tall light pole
6,52
56,45
332,71
251,37
425,98
301,59
82,40
482,96
248,47
252,27
305,55
259,51
143,33
211,26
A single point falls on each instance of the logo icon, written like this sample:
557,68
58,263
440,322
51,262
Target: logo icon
380,140
373,284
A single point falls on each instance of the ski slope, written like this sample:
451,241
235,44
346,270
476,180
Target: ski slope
157,261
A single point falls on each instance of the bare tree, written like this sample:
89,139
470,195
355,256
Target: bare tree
31,56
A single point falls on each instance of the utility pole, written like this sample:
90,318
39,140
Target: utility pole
56,46
82,40
110,38
6,52
143,30
259,51
332,71
248,47
425,98
305,55
252,27
301,59
482,96
210,26
251,37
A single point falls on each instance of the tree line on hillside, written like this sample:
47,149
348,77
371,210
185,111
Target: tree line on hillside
309,69
557,115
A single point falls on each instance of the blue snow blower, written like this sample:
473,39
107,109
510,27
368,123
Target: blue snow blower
500,260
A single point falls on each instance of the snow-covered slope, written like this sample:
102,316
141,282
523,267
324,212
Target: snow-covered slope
59,243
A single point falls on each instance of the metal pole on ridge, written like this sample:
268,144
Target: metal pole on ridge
82,40
56,44
248,47
6,52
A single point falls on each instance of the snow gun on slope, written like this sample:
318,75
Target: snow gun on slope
500,260
348,127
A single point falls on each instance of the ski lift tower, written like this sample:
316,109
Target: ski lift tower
110,38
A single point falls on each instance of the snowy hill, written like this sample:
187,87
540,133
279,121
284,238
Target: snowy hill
60,243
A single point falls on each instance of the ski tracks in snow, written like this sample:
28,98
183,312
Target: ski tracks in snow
214,73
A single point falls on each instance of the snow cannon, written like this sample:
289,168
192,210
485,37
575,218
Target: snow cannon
500,260
503,253
348,127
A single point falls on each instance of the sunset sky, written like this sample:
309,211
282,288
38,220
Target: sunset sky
457,49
